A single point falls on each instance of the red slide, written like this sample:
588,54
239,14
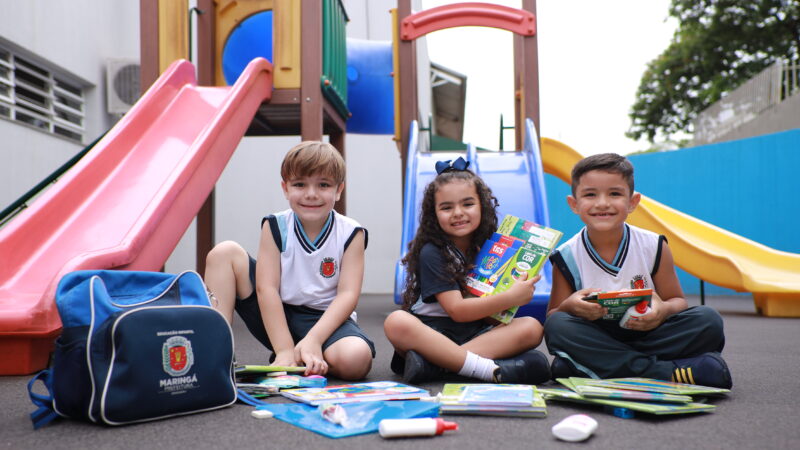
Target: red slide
125,205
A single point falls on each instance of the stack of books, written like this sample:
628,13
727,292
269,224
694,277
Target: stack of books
263,381
519,246
635,394
492,399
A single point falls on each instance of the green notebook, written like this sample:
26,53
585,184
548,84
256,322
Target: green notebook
560,394
584,387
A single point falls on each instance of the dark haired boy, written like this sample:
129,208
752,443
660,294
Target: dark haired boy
672,342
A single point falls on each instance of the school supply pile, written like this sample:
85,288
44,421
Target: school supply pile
634,394
263,381
356,392
492,400
519,246
136,346
619,302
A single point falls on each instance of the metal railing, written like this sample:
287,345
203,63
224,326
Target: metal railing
334,55
765,90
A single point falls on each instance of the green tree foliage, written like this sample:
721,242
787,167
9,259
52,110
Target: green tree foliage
718,45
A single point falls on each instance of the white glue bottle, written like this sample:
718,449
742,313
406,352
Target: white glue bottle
635,311
392,428
577,427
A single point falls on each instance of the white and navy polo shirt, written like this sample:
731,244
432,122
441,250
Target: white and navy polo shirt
634,265
310,269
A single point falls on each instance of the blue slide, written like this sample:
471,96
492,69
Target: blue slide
516,179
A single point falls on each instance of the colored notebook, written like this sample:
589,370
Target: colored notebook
584,387
356,392
492,399
651,385
560,394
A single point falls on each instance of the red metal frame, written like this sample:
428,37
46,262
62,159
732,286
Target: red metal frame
468,14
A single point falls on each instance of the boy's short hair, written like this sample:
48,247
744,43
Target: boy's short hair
606,162
313,157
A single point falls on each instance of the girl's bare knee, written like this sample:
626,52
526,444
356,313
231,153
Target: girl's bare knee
398,323
529,330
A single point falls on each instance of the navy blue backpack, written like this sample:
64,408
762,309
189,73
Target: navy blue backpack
135,346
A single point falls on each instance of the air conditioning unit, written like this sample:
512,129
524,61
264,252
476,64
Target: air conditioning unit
122,85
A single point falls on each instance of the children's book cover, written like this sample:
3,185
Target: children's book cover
652,385
539,242
490,263
617,302
356,392
584,387
559,394
492,399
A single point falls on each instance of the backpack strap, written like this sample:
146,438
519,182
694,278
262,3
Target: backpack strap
45,413
244,397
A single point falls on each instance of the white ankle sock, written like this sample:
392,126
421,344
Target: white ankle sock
478,367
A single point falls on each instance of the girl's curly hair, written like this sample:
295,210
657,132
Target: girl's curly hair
429,231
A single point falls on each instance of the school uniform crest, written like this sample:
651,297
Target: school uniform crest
638,282
177,356
327,268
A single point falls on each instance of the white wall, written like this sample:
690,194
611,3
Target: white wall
73,38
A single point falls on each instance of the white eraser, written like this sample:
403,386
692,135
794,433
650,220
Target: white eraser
577,427
262,414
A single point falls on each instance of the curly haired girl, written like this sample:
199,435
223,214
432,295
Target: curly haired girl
439,330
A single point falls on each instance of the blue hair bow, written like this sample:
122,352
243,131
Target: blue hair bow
446,166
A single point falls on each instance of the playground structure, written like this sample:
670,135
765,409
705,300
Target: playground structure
128,202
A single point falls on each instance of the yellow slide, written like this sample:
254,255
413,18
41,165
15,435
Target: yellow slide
706,251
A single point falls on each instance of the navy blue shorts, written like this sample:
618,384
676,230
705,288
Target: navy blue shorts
458,332
299,318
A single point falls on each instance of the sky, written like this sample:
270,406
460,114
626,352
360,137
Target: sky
592,55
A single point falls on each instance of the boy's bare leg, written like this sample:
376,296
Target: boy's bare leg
228,275
349,358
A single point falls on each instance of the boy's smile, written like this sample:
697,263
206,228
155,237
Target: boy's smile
603,201
312,199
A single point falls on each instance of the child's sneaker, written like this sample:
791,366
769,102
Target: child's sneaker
563,368
530,367
708,369
398,364
419,370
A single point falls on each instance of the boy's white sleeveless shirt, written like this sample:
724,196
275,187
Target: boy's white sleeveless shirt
636,261
310,270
